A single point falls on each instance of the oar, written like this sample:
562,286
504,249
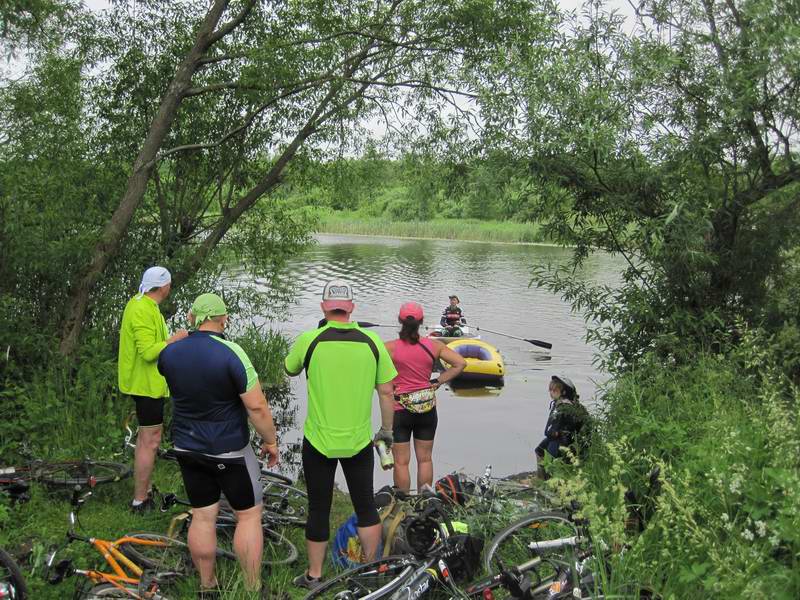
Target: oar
368,324
539,343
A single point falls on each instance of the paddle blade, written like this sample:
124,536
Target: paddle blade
540,343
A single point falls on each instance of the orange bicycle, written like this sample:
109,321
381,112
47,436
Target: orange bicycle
127,579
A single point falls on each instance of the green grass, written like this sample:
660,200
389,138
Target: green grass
447,229
30,529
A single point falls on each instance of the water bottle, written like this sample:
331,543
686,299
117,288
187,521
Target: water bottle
384,455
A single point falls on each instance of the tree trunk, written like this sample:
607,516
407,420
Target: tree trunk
116,228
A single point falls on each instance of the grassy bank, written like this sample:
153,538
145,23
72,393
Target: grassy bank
354,223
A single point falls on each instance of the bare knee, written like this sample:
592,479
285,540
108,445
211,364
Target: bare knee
248,518
149,437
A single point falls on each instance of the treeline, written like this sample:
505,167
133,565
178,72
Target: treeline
194,134
418,187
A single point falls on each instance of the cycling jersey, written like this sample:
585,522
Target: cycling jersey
206,375
343,364
143,335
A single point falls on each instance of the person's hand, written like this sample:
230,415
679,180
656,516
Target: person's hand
384,435
177,336
270,450
436,385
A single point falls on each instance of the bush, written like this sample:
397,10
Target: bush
725,434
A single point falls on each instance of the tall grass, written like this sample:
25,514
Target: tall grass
725,434
448,229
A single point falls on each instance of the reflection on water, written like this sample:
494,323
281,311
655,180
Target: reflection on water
476,426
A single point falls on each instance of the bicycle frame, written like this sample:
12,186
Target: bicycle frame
117,561
125,571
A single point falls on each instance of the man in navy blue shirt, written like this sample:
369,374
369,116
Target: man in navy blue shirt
215,390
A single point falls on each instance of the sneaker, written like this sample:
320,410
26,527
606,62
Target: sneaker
145,507
209,594
309,583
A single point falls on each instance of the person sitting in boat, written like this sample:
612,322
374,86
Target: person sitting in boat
452,318
565,423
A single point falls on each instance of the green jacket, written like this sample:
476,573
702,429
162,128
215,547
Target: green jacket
142,337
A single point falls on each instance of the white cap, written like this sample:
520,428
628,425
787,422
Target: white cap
154,277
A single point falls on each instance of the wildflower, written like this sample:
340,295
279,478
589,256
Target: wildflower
748,535
774,540
761,528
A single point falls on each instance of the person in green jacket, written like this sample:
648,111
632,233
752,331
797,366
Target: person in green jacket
143,335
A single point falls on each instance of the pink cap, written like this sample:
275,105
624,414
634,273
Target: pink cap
411,309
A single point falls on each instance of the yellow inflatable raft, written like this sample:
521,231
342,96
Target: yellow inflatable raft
484,363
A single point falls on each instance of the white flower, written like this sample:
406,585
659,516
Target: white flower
761,528
774,541
748,535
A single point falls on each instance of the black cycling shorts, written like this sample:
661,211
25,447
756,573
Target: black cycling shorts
206,477
421,425
149,411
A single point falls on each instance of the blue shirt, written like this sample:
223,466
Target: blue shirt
206,375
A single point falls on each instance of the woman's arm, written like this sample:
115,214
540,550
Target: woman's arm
452,358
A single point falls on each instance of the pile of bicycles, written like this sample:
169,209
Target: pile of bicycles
540,555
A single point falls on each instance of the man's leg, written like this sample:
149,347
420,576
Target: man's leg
402,457
319,473
203,543
248,544
150,414
358,471
148,440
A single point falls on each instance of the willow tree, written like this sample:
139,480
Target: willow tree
218,100
669,139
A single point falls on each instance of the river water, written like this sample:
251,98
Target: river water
481,426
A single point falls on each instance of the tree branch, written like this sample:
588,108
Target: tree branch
228,27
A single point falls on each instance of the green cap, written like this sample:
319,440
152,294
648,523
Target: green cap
207,306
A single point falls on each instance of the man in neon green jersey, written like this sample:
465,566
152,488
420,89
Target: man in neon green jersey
143,335
343,365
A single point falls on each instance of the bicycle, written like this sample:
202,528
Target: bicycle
68,473
278,549
141,563
12,583
546,535
498,495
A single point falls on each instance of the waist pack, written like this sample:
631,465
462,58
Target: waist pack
420,401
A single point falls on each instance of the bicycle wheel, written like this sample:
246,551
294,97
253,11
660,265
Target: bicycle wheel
277,477
511,546
284,504
86,472
278,549
12,583
107,590
376,579
170,555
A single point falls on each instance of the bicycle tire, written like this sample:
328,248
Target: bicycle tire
11,575
376,579
174,556
285,504
267,475
510,545
108,590
278,549
83,473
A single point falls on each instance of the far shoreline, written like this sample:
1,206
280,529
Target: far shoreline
439,239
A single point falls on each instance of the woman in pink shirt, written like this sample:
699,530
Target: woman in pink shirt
414,358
